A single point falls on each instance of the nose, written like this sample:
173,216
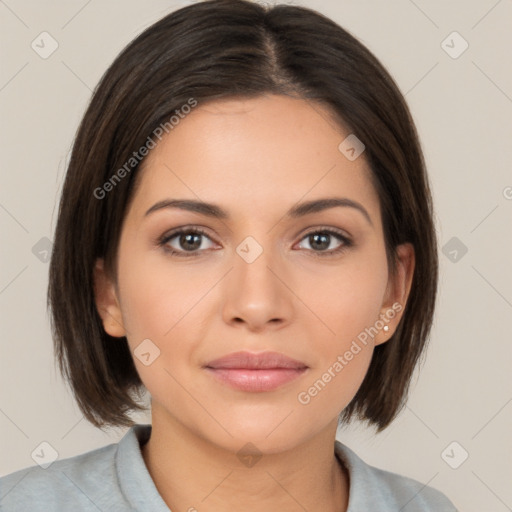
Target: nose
256,293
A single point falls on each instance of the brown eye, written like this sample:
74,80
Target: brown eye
186,242
189,241
321,241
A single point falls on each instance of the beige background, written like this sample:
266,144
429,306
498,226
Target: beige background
463,110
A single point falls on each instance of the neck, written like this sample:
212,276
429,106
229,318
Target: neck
192,473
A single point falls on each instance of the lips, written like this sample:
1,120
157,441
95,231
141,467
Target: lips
262,361
255,372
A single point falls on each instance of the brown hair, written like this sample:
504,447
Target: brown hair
220,49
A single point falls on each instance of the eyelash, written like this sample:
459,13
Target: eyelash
165,239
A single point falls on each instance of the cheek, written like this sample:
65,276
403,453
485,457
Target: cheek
341,360
349,299
157,296
168,303
348,304
161,303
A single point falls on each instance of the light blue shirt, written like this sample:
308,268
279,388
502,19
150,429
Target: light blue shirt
115,478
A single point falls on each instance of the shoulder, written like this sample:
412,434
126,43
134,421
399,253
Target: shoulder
84,482
372,488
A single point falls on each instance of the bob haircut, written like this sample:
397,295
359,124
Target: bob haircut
225,49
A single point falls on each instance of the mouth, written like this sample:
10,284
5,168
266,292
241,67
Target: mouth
256,372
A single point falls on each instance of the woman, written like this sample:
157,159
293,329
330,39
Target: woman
245,231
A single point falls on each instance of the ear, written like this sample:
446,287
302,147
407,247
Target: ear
397,292
107,302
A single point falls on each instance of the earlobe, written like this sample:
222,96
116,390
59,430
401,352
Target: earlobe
397,292
107,302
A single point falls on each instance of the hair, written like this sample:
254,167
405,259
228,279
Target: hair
220,49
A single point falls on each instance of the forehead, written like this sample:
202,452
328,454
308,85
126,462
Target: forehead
255,155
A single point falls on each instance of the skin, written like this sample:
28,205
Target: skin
256,158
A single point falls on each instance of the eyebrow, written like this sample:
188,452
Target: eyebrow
299,210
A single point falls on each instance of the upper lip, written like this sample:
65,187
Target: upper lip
260,361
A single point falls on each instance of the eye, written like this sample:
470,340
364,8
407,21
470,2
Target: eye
189,242
321,239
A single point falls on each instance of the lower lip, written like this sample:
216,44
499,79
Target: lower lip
256,380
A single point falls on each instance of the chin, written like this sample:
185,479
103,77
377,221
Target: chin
267,432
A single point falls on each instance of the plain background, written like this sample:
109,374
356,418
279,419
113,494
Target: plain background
463,110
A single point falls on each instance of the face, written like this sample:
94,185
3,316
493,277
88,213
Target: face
311,284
